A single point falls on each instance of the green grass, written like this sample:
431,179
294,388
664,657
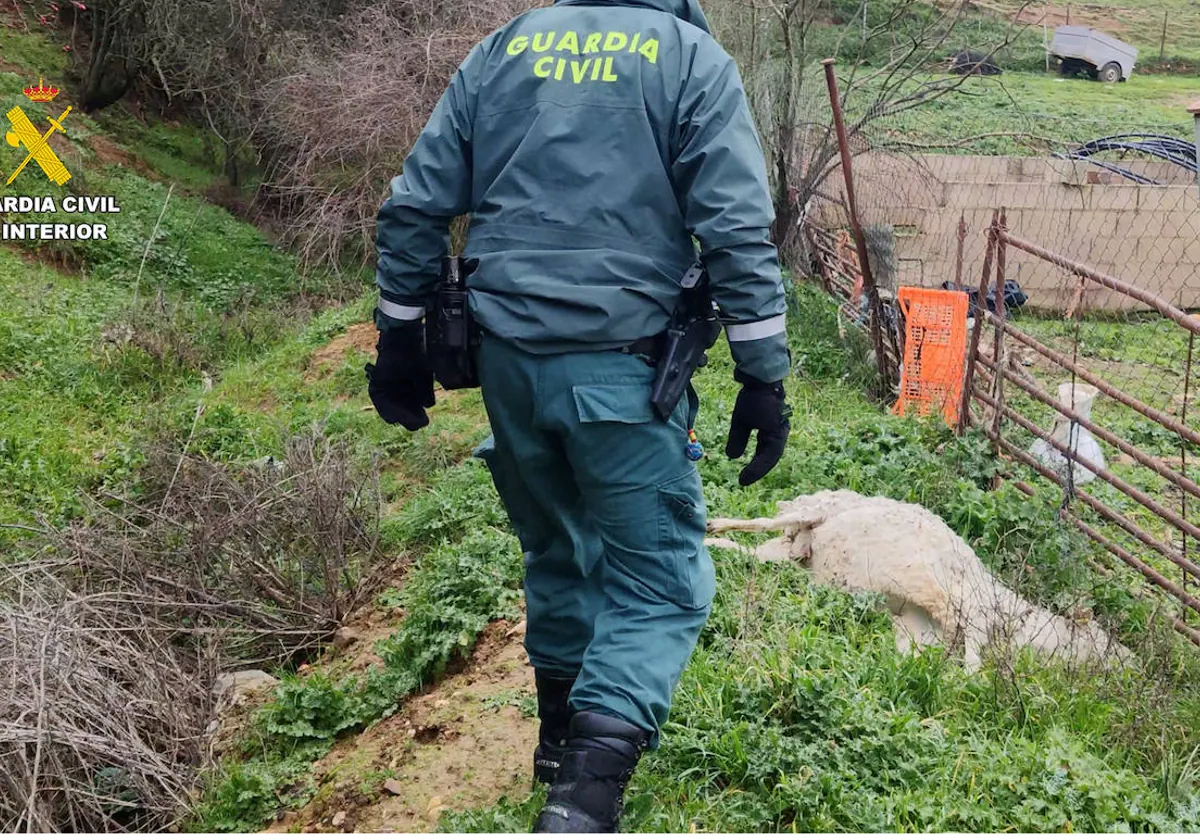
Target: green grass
57,412
176,152
524,702
1141,355
974,27
1050,113
32,53
105,351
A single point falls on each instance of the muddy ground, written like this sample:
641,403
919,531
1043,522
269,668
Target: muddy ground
464,743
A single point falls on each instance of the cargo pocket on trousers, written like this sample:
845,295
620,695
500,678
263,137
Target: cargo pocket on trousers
681,522
657,528
613,403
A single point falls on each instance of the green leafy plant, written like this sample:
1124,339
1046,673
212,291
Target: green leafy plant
524,702
312,709
243,797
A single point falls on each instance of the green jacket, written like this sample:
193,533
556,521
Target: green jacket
590,142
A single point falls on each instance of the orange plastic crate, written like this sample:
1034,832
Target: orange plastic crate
935,352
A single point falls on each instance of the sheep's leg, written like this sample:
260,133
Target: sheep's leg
721,526
791,520
772,551
904,638
915,628
776,551
974,641
802,546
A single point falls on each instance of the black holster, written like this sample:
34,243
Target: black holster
693,330
452,337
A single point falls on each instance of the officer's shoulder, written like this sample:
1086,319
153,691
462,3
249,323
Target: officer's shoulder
701,48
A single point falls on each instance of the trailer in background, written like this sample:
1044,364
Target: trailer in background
1102,57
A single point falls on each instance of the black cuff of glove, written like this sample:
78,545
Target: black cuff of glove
405,339
749,383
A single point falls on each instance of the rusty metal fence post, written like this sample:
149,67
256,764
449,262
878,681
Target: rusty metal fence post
1001,316
958,255
964,415
878,324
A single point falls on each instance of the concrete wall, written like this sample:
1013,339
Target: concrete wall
1145,235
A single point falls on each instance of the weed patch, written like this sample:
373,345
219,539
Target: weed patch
524,702
450,595
251,794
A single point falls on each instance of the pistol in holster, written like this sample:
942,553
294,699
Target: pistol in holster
694,328
452,337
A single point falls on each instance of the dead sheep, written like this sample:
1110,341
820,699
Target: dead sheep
936,588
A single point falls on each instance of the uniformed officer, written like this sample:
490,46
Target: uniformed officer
594,144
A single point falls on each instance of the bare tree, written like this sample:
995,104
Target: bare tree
888,63
342,124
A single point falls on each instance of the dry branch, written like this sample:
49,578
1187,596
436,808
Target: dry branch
341,125
113,629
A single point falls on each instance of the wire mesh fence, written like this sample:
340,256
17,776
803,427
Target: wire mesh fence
1077,243
1084,425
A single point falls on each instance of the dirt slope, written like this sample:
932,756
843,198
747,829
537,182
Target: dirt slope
464,743
359,337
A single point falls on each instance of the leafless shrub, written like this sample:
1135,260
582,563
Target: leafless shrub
102,717
340,128
111,634
157,331
274,555
329,96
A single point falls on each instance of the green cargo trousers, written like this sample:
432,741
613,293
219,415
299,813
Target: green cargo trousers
610,515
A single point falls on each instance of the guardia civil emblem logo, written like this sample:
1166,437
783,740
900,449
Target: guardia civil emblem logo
24,135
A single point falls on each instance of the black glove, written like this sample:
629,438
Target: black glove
760,407
401,382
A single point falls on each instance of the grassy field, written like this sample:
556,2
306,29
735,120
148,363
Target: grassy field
1033,113
1137,22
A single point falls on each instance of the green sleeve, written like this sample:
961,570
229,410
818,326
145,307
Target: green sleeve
413,226
721,179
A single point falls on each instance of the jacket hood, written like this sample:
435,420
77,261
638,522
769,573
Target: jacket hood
686,10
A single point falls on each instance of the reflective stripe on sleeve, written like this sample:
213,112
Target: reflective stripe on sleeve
757,330
399,311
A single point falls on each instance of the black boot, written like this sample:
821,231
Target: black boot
555,716
588,794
